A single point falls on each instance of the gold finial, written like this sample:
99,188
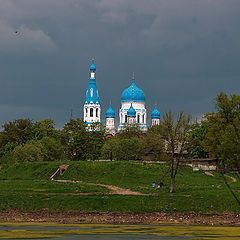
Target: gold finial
133,76
92,58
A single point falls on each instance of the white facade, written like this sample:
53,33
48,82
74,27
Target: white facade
155,121
92,113
141,114
110,125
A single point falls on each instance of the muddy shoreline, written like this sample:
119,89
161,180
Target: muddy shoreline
121,218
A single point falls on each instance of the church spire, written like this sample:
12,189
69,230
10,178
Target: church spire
92,105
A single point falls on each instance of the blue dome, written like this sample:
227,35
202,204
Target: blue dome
133,93
92,68
155,113
131,112
110,113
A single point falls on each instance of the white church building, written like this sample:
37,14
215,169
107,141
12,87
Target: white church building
133,107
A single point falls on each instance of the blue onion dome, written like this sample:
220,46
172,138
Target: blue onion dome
110,113
93,68
131,111
133,93
155,113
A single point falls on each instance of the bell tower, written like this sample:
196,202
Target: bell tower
92,106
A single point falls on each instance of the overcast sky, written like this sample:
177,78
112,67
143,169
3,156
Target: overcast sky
183,53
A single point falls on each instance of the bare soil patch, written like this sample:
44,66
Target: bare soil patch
113,217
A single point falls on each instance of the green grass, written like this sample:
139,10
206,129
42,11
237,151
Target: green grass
26,187
36,186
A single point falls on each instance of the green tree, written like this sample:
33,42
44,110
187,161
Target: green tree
18,131
175,133
130,131
75,139
152,147
27,153
96,135
81,141
43,128
197,134
122,149
51,148
223,137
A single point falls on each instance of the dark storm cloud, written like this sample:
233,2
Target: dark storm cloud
183,53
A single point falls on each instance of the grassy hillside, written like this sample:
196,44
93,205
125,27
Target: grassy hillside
26,187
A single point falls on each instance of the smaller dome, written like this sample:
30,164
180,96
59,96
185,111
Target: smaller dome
110,113
92,68
155,113
131,112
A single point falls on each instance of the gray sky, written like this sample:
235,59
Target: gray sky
183,53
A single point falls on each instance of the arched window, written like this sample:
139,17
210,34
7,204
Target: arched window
143,118
91,112
86,111
125,118
97,112
138,118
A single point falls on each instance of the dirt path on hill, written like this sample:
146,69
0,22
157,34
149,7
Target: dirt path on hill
114,189
233,178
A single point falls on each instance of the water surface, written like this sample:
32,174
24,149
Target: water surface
114,232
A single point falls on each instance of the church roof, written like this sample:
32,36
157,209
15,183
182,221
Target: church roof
133,93
92,92
131,111
155,113
110,112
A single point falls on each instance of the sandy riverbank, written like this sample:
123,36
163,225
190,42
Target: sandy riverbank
122,218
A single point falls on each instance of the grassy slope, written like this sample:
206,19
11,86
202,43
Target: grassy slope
195,191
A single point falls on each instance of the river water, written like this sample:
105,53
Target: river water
114,232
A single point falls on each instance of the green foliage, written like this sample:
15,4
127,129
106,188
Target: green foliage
130,131
223,137
43,128
122,149
22,131
51,148
82,142
18,131
197,134
152,147
27,153
174,132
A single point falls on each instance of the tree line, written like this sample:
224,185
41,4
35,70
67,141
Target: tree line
216,134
